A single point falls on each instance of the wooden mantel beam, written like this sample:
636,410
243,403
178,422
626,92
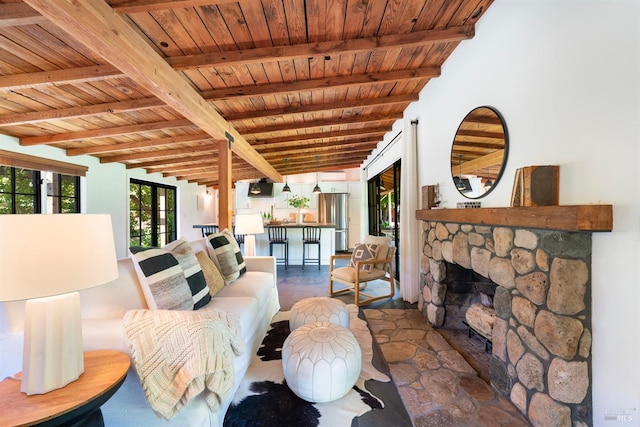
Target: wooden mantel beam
96,25
563,217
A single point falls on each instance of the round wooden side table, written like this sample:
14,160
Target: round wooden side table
78,403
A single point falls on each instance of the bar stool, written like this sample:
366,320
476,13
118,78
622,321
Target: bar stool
209,229
278,236
239,237
310,236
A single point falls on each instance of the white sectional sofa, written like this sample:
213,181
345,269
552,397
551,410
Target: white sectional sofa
253,297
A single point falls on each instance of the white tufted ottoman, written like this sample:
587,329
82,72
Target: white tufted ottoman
321,361
319,309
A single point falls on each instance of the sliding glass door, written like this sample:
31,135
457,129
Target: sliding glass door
384,206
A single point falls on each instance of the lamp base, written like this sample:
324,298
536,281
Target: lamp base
53,354
249,245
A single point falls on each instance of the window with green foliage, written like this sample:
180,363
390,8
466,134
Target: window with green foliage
152,213
19,191
63,193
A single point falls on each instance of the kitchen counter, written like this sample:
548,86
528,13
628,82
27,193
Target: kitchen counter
304,224
295,241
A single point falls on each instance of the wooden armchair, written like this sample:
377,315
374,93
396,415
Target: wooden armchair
354,279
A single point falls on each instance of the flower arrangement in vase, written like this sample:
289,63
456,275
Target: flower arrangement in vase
299,202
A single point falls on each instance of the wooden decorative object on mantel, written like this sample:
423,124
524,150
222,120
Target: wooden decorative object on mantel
566,218
429,196
536,186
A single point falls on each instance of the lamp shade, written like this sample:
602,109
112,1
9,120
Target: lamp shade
46,255
249,224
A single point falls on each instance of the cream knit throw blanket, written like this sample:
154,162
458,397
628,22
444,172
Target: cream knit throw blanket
179,354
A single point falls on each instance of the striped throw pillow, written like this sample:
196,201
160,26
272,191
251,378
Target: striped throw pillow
226,256
181,249
161,278
236,250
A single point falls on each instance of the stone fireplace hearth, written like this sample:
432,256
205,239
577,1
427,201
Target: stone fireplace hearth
541,357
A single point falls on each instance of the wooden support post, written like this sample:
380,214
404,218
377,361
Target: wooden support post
224,181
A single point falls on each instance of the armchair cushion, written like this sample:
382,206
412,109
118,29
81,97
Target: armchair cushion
364,252
348,274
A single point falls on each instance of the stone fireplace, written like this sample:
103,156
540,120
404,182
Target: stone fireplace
541,355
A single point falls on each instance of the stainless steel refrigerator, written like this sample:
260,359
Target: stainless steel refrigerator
334,208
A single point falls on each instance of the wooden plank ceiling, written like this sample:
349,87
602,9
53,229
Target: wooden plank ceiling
159,84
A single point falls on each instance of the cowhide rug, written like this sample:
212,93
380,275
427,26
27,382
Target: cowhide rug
264,400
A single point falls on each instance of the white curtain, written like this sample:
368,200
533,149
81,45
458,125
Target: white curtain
410,232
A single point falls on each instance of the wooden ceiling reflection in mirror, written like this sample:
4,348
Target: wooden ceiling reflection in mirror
479,152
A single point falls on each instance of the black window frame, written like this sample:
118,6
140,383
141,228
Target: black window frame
155,237
58,197
36,195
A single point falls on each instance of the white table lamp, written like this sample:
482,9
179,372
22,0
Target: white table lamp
46,259
249,225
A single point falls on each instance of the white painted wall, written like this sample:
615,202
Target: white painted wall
107,191
565,75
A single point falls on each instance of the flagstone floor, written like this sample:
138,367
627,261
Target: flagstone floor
433,385
437,385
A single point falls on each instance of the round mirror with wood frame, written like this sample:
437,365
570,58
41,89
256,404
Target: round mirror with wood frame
479,152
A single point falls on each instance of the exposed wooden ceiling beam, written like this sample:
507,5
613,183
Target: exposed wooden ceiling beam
139,6
104,133
369,118
320,84
159,164
311,50
158,154
472,166
80,111
314,108
498,136
147,103
147,143
207,165
284,140
229,58
94,24
64,76
305,164
296,148
15,14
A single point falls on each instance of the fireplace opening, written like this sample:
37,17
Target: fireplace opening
470,315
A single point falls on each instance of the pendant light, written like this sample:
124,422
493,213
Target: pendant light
462,184
255,188
459,183
286,188
317,189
